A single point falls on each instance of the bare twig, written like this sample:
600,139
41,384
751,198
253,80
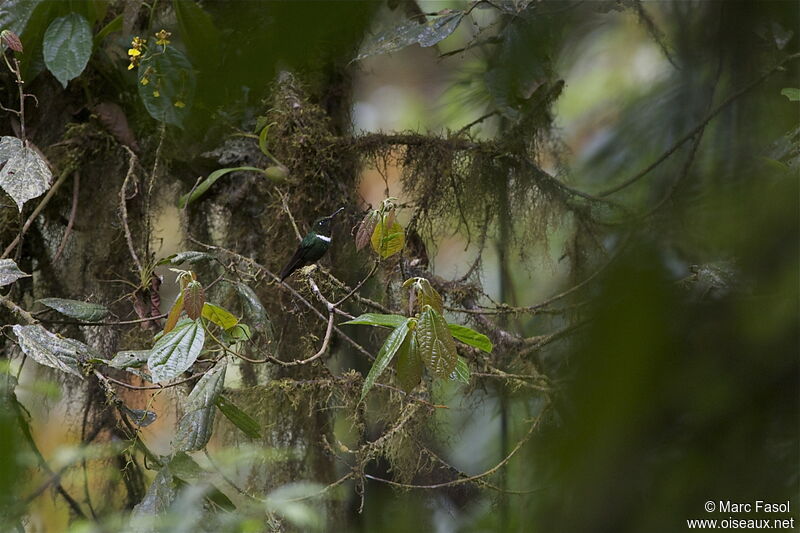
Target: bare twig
124,209
14,308
470,479
699,127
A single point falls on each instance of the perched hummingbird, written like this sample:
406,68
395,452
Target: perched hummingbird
312,247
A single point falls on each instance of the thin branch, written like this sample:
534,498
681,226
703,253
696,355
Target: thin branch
14,308
699,127
470,479
103,378
124,209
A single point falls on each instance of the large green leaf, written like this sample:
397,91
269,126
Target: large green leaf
53,350
206,184
67,47
170,86
376,319
176,351
14,14
409,365
254,311
461,372
194,429
385,355
157,500
10,272
471,337
198,33
86,311
25,174
437,349
426,34
239,418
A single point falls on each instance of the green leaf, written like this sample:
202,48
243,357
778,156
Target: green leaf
409,365
14,14
10,272
53,350
219,316
201,189
262,139
461,372
385,355
171,81
427,34
157,500
189,257
376,319
129,359
471,337
239,418
793,94
387,241
114,25
25,174
85,311
238,333
198,33
186,471
437,349
176,351
254,311
67,47
195,427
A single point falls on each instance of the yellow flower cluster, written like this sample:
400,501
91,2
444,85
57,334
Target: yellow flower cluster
135,51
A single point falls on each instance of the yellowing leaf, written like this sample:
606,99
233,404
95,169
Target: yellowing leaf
174,314
388,240
219,316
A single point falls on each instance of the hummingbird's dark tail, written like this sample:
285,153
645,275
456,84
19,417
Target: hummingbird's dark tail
294,263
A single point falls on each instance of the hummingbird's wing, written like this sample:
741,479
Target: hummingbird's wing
298,259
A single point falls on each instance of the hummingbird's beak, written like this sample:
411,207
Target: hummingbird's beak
336,213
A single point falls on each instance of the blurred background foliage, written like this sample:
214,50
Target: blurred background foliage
672,376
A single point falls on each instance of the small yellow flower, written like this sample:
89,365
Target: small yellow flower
134,52
179,104
162,37
145,81
156,93
130,67
138,42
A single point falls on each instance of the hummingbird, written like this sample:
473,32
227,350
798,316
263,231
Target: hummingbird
312,247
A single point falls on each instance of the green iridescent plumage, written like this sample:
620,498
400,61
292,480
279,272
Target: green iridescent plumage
312,247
